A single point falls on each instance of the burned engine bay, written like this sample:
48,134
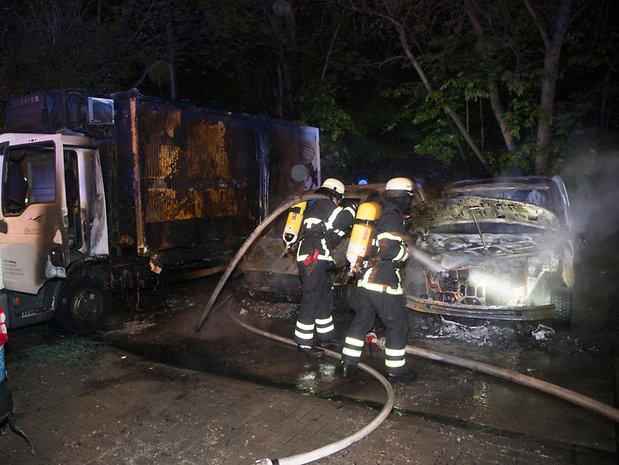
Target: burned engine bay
486,258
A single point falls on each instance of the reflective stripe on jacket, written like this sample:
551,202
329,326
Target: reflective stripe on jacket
324,225
389,251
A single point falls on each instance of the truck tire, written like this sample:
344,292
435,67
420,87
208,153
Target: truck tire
561,297
85,305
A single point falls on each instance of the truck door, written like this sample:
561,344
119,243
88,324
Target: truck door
86,221
33,239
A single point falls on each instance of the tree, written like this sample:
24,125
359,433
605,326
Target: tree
404,17
71,43
560,17
493,89
490,51
163,34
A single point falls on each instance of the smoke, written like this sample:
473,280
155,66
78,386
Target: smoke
592,182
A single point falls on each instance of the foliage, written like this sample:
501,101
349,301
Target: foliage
342,69
54,57
320,108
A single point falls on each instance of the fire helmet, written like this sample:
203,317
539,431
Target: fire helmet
333,187
396,187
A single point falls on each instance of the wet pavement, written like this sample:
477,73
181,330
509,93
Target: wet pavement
152,390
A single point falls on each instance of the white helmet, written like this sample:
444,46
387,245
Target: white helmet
400,184
334,185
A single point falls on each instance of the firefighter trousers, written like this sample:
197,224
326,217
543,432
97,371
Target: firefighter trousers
316,303
390,309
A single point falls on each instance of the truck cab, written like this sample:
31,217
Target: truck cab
52,217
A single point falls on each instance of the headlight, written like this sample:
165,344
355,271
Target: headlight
498,287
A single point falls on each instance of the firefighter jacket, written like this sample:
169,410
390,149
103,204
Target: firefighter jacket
324,225
388,253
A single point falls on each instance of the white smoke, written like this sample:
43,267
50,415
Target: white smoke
592,181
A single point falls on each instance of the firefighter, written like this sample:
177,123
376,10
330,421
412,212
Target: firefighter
379,287
324,225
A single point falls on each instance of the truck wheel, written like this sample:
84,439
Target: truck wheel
85,305
562,300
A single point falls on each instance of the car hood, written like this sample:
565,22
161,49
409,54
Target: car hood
447,214
465,231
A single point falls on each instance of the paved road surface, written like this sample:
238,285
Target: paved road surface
151,391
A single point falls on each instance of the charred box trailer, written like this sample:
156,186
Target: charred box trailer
112,193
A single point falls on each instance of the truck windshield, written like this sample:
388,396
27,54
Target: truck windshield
30,177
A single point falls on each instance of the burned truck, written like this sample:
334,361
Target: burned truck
114,193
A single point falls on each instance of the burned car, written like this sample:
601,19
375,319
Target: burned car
498,248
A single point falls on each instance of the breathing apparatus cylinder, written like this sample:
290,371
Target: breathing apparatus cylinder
293,223
362,233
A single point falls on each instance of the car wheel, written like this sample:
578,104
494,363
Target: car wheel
561,298
85,305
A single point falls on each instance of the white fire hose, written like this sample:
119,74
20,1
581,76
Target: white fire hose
336,446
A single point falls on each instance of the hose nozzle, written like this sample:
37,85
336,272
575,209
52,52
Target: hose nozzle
373,340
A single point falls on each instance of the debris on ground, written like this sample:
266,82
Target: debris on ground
543,332
484,334
270,310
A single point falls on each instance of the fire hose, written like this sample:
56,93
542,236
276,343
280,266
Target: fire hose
543,386
246,245
336,446
588,403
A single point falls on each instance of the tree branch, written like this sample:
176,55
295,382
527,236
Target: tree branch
324,68
391,6
493,90
537,22
452,114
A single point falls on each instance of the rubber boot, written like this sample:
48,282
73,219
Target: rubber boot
311,351
403,376
348,369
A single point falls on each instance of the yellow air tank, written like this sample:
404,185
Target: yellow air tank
293,223
362,232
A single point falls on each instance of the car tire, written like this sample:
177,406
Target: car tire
85,305
561,298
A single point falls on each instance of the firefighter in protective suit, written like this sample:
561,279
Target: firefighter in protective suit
325,223
379,287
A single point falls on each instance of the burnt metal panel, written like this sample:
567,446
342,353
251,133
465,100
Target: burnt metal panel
198,177
117,155
185,176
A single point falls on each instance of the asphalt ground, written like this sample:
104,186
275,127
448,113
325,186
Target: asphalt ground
126,396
